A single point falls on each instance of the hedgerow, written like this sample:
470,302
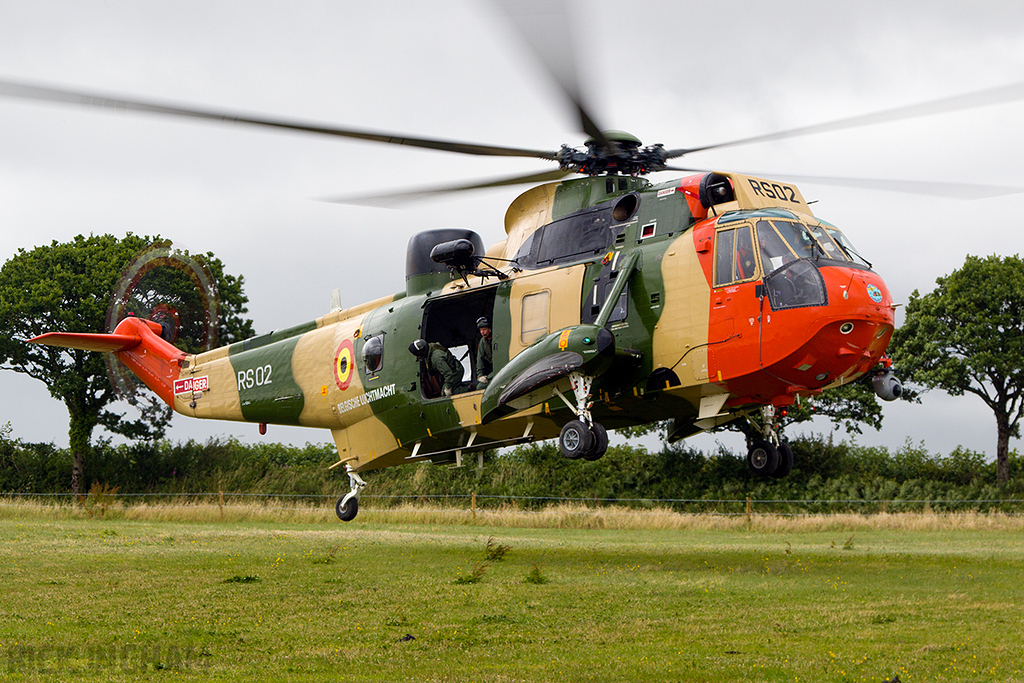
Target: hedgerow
827,477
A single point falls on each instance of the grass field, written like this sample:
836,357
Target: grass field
137,595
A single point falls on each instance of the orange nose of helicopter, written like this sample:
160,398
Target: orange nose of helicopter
837,340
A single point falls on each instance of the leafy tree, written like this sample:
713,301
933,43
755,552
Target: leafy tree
850,406
67,288
967,336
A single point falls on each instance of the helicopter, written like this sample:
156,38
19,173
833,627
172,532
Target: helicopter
612,301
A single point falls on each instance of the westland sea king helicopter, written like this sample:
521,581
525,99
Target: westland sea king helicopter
612,301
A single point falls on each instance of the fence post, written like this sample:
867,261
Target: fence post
221,505
748,511
474,506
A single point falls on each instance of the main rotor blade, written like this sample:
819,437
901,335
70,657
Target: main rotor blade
545,27
29,91
387,199
687,170
980,98
923,187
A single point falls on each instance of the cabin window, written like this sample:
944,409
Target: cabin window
774,251
723,257
599,294
797,238
568,239
373,354
535,316
734,256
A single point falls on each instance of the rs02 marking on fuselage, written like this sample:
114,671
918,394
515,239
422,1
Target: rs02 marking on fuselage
783,193
255,377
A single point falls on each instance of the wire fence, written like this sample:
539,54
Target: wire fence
532,504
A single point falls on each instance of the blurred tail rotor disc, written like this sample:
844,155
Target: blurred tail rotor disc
173,289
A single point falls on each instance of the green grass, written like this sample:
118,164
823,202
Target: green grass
116,599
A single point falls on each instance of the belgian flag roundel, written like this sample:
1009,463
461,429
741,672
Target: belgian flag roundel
344,364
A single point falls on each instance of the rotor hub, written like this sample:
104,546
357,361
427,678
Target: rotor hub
618,153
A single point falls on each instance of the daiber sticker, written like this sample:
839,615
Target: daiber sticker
190,385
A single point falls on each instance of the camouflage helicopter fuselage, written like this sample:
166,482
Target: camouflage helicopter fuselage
693,301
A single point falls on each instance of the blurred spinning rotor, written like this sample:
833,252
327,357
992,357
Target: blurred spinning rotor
172,288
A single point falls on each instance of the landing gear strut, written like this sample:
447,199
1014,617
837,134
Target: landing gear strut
348,505
768,456
582,437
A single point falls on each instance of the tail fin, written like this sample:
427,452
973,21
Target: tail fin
137,344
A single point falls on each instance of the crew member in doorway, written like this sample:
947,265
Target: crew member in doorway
484,363
438,359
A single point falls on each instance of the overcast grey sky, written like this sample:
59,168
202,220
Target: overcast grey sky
681,73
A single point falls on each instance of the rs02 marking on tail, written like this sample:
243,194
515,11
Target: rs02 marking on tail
255,377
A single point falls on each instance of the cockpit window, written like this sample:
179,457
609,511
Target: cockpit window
734,256
847,246
784,241
832,250
774,251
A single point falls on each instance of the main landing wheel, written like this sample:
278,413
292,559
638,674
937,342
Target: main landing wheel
762,459
600,442
347,507
785,461
576,440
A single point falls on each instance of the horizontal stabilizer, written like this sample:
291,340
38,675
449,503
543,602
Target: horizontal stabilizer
88,342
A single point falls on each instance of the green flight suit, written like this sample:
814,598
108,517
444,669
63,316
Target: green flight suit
441,360
484,358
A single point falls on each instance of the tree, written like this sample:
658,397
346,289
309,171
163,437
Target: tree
67,288
967,336
849,406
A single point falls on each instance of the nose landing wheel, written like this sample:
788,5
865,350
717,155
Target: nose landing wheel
768,456
762,458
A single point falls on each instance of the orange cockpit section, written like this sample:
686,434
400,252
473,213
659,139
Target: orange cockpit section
794,307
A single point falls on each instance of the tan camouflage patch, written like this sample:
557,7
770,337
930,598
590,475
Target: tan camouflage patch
681,332
220,400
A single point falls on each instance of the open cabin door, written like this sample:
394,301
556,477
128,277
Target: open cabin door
451,321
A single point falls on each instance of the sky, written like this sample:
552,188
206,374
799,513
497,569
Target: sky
667,71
